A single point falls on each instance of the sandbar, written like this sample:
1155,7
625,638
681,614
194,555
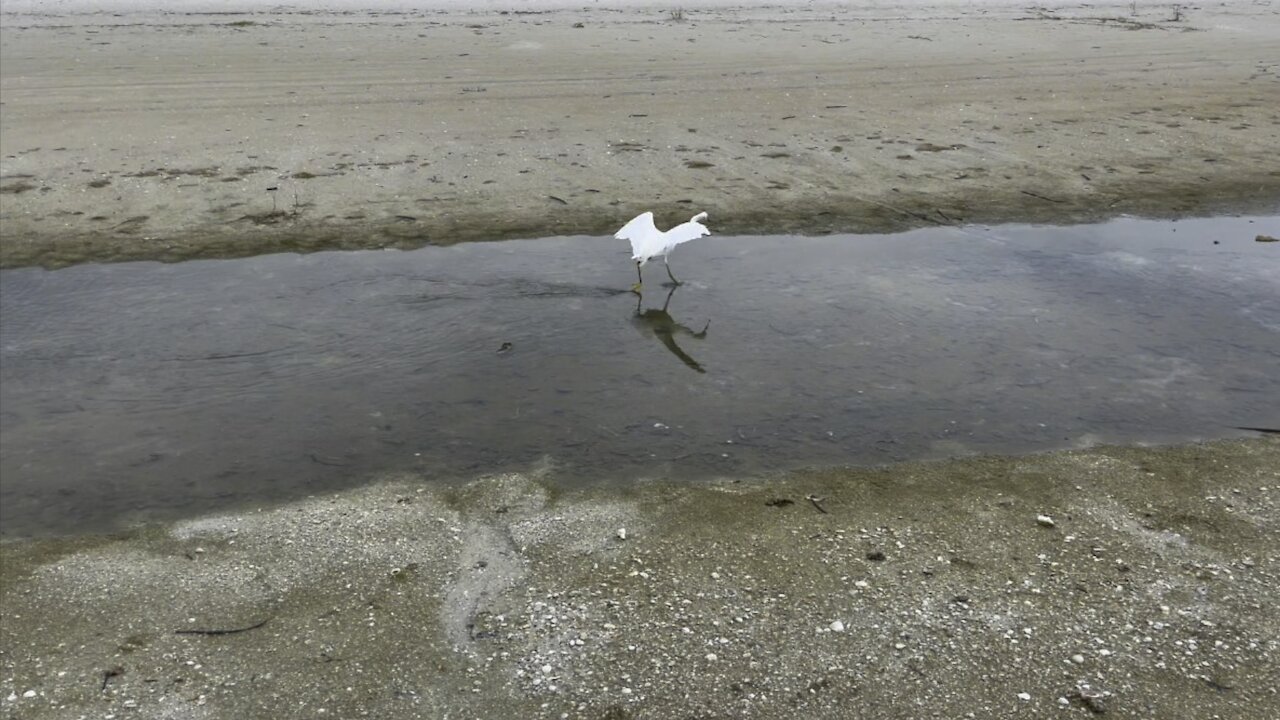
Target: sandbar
166,135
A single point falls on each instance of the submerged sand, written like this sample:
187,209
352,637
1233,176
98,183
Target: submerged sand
176,135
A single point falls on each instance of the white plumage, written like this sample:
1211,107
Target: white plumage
648,242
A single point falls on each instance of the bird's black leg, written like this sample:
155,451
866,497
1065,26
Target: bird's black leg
639,279
674,281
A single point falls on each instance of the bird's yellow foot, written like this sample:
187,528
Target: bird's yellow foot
636,288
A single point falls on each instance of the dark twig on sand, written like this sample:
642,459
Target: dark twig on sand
816,503
108,674
232,631
1042,197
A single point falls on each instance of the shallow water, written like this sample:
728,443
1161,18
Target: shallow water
144,390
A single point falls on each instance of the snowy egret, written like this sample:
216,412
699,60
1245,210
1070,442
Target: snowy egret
648,242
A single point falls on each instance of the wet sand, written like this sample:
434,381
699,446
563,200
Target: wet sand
1130,582
178,135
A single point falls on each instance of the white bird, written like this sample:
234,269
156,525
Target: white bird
648,242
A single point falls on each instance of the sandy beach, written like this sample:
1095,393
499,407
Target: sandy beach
170,135
1125,582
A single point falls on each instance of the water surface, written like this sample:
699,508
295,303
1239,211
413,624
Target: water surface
145,390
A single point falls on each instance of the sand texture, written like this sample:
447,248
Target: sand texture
169,136
1123,583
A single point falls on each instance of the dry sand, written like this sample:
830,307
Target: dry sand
162,135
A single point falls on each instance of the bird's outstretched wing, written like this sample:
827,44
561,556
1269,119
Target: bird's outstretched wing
684,232
641,232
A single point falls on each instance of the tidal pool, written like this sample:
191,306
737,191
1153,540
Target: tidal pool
147,391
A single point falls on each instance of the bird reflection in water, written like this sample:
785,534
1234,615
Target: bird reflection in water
661,325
